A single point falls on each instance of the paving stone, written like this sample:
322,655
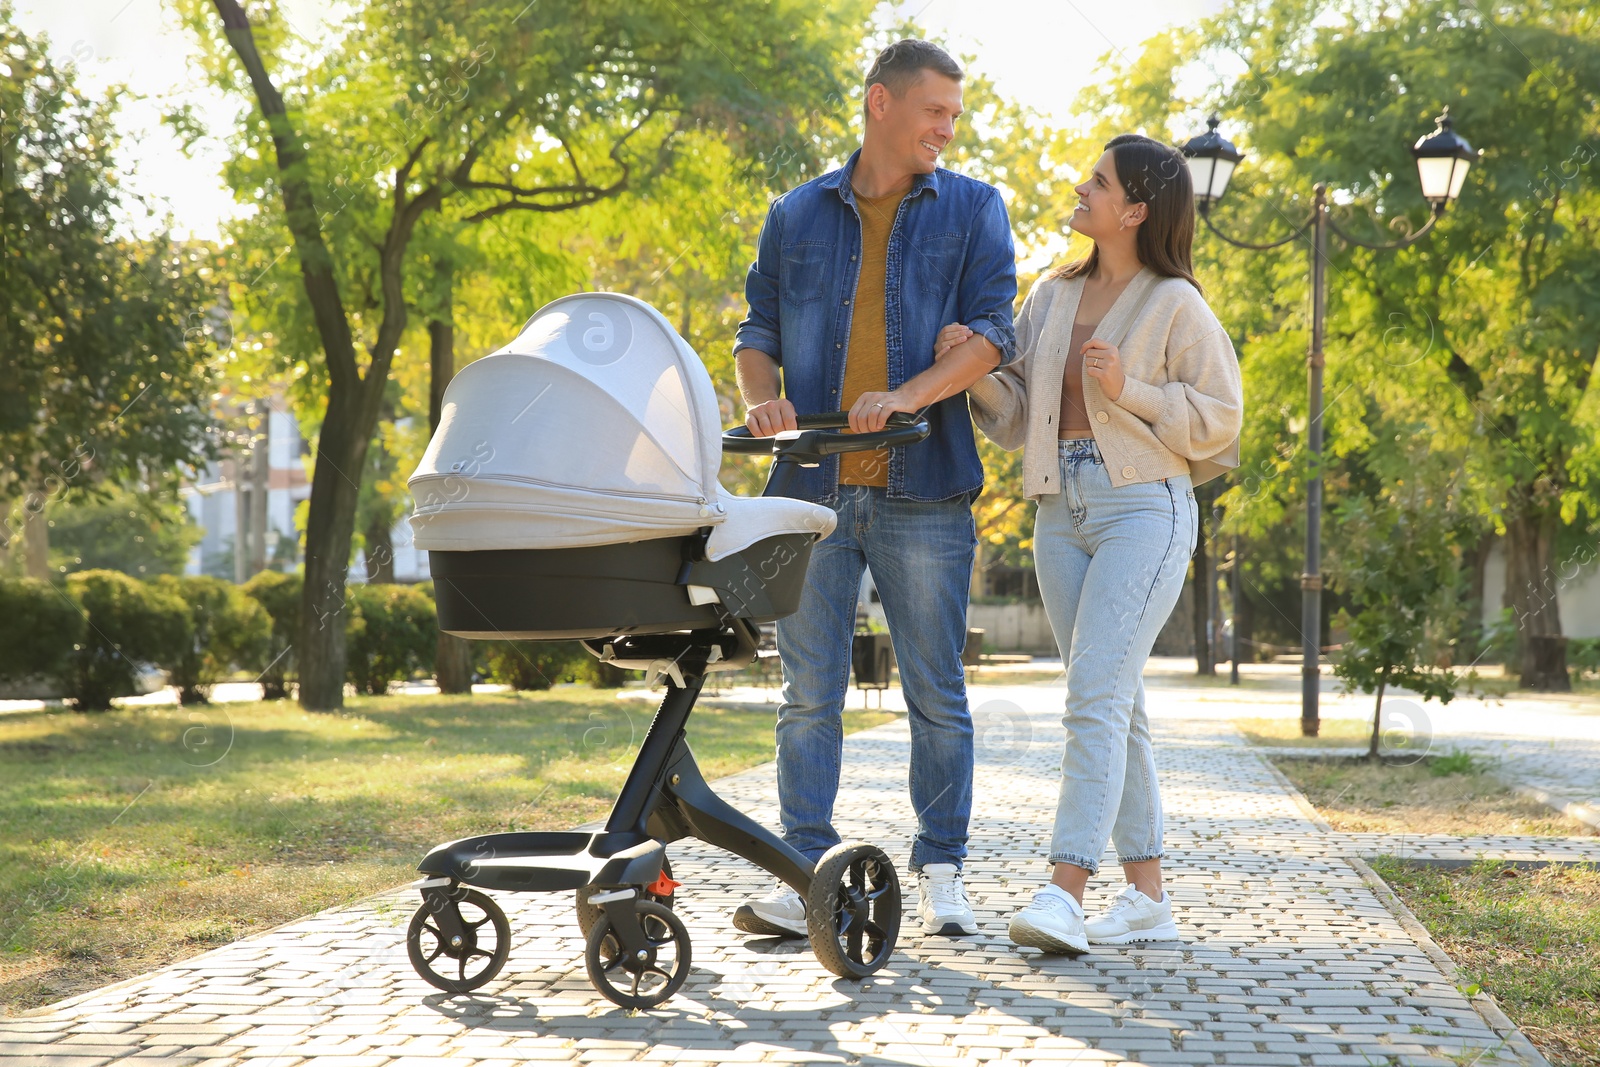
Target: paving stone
1288,956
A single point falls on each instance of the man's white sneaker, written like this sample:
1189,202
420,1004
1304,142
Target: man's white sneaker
1053,923
1133,917
781,913
942,901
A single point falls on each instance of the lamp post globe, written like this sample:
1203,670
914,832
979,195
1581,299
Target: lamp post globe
1443,159
1212,158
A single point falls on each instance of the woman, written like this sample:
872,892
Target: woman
1126,389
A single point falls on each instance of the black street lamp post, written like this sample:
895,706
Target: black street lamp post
1442,162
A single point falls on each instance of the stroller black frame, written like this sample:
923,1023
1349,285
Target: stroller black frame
637,950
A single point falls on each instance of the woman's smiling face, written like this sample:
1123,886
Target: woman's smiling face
1103,206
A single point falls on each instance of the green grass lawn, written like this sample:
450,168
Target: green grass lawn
1531,939
1440,794
135,837
1285,733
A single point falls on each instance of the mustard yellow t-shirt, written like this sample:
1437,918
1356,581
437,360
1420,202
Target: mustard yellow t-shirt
866,367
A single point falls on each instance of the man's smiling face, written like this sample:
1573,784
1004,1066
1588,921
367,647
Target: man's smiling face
917,126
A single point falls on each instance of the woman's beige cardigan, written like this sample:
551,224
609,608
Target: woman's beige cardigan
1181,406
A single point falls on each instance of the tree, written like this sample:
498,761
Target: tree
107,339
1489,325
1486,326
138,533
482,110
1397,560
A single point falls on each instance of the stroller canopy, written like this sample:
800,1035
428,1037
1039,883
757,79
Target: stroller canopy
597,425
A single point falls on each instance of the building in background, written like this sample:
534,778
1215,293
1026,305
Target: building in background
246,501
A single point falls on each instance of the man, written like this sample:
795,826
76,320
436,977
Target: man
855,273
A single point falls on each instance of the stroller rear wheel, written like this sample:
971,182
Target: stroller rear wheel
458,963
853,910
648,977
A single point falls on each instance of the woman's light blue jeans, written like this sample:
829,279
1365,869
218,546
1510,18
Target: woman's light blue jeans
921,555
1111,564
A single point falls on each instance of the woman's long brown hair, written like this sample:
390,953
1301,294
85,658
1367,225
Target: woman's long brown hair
1157,175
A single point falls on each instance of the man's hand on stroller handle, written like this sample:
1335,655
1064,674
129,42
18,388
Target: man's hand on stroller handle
773,416
761,386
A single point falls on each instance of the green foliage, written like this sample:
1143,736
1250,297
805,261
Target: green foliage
1485,332
417,124
1396,563
139,533
1583,654
533,664
598,675
391,633
127,624
1483,337
228,630
39,627
1458,761
279,595
108,339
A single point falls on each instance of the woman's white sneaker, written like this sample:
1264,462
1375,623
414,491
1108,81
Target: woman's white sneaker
1052,923
1133,917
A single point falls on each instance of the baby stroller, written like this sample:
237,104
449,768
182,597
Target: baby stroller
571,492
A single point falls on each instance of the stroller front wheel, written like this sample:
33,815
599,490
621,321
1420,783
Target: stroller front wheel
853,910
458,962
589,914
648,977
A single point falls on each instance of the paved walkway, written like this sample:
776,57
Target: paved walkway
1289,954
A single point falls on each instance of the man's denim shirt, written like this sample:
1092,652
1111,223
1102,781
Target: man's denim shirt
950,260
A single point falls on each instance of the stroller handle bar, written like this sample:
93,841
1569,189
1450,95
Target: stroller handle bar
819,435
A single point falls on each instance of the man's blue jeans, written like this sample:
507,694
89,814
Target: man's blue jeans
921,557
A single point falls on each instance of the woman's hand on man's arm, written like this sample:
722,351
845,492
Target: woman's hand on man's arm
961,357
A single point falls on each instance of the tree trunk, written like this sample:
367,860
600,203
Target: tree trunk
353,399
330,528
1244,621
380,545
241,516
1235,613
1531,595
1477,564
1377,715
260,485
36,543
452,665
1204,591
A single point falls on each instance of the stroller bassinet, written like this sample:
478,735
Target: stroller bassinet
571,492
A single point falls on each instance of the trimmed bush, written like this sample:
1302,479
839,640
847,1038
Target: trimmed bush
126,623
533,664
38,628
391,632
279,595
228,631
1583,656
599,675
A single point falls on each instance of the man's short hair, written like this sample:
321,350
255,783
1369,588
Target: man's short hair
902,63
